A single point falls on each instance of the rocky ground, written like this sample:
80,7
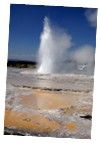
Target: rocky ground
48,105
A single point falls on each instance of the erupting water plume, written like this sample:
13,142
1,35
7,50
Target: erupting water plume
53,47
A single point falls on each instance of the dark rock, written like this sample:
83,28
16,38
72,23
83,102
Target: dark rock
89,117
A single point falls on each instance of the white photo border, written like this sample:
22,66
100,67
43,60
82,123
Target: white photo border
4,35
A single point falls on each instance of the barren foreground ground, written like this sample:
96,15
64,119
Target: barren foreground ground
48,105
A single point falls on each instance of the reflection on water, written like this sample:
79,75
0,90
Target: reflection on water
48,105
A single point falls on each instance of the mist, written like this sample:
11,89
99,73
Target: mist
85,56
55,56
53,47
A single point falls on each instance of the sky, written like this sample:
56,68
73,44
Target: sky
26,26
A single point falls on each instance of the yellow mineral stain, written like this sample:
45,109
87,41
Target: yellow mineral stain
26,121
71,126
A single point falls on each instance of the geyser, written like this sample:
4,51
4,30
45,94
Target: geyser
53,48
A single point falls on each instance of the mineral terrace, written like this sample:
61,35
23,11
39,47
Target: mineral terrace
48,105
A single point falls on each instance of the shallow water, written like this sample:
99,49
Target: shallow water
58,105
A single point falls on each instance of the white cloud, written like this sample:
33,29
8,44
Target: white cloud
91,15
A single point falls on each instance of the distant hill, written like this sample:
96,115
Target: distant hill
21,64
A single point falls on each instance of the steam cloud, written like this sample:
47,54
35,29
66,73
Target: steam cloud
85,56
53,46
54,55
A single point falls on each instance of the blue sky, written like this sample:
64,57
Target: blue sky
26,25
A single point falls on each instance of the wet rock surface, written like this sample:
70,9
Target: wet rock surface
48,105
